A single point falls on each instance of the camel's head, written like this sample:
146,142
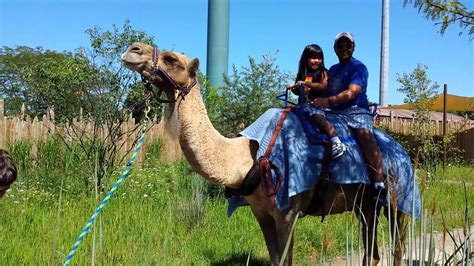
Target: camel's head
7,172
167,70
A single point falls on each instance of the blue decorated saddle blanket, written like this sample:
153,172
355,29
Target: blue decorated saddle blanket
300,161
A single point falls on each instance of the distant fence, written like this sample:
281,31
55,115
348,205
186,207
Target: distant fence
25,128
405,126
463,132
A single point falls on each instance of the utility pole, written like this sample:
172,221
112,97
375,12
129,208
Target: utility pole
383,95
217,41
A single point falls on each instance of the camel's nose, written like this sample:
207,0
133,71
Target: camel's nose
133,49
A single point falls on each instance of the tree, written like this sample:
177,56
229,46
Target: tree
91,82
418,90
121,86
109,103
419,94
247,93
41,79
445,13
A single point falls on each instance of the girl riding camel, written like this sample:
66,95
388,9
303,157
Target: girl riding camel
314,77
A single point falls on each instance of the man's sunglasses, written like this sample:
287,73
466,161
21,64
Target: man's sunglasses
344,46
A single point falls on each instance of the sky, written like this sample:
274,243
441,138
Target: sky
258,27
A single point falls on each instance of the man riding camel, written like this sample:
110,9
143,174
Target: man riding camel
348,90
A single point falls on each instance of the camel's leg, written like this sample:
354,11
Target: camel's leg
284,223
285,220
369,219
269,230
398,235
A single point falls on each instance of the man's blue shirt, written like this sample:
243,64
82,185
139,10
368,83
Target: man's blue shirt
341,75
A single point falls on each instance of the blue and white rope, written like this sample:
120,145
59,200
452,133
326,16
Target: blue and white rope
91,220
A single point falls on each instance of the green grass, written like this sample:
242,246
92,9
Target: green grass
456,173
168,216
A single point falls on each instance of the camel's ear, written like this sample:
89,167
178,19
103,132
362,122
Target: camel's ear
193,67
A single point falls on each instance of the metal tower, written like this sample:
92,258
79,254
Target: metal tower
217,41
383,96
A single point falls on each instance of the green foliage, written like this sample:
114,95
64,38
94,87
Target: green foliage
154,154
145,211
104,103
120,86
247,93
418,90
115,83
21,154
42,79
50,162
468,114
90,79
191,205
446,13
419,94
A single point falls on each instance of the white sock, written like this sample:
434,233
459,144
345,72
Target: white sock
335,140
379,185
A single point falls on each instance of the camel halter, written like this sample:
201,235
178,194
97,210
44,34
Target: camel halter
158,71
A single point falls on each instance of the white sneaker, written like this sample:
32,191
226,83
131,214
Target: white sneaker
337,150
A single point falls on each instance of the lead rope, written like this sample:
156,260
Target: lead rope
128,167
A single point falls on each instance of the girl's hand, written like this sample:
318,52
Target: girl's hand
299,83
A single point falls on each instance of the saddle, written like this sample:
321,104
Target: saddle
264,170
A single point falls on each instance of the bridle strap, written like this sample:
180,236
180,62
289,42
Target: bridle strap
156,70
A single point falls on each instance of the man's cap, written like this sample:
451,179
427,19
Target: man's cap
346,34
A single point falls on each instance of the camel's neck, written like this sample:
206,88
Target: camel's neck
219,159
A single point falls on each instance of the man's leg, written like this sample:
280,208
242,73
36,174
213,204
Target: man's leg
371,152
360,120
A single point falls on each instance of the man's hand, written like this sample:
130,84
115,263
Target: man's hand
321,102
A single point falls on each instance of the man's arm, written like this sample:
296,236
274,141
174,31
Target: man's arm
350,94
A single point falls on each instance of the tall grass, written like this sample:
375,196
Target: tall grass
167,215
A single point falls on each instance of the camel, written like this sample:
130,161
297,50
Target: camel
226,161
8,172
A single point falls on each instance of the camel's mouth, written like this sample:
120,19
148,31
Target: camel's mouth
132,61
135,58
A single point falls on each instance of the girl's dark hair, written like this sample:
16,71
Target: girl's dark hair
8,170
312,50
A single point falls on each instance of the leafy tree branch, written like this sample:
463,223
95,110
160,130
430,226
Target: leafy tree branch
446,13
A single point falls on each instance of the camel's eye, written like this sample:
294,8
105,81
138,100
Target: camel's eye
172,60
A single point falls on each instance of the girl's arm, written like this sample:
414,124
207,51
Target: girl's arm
319,86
